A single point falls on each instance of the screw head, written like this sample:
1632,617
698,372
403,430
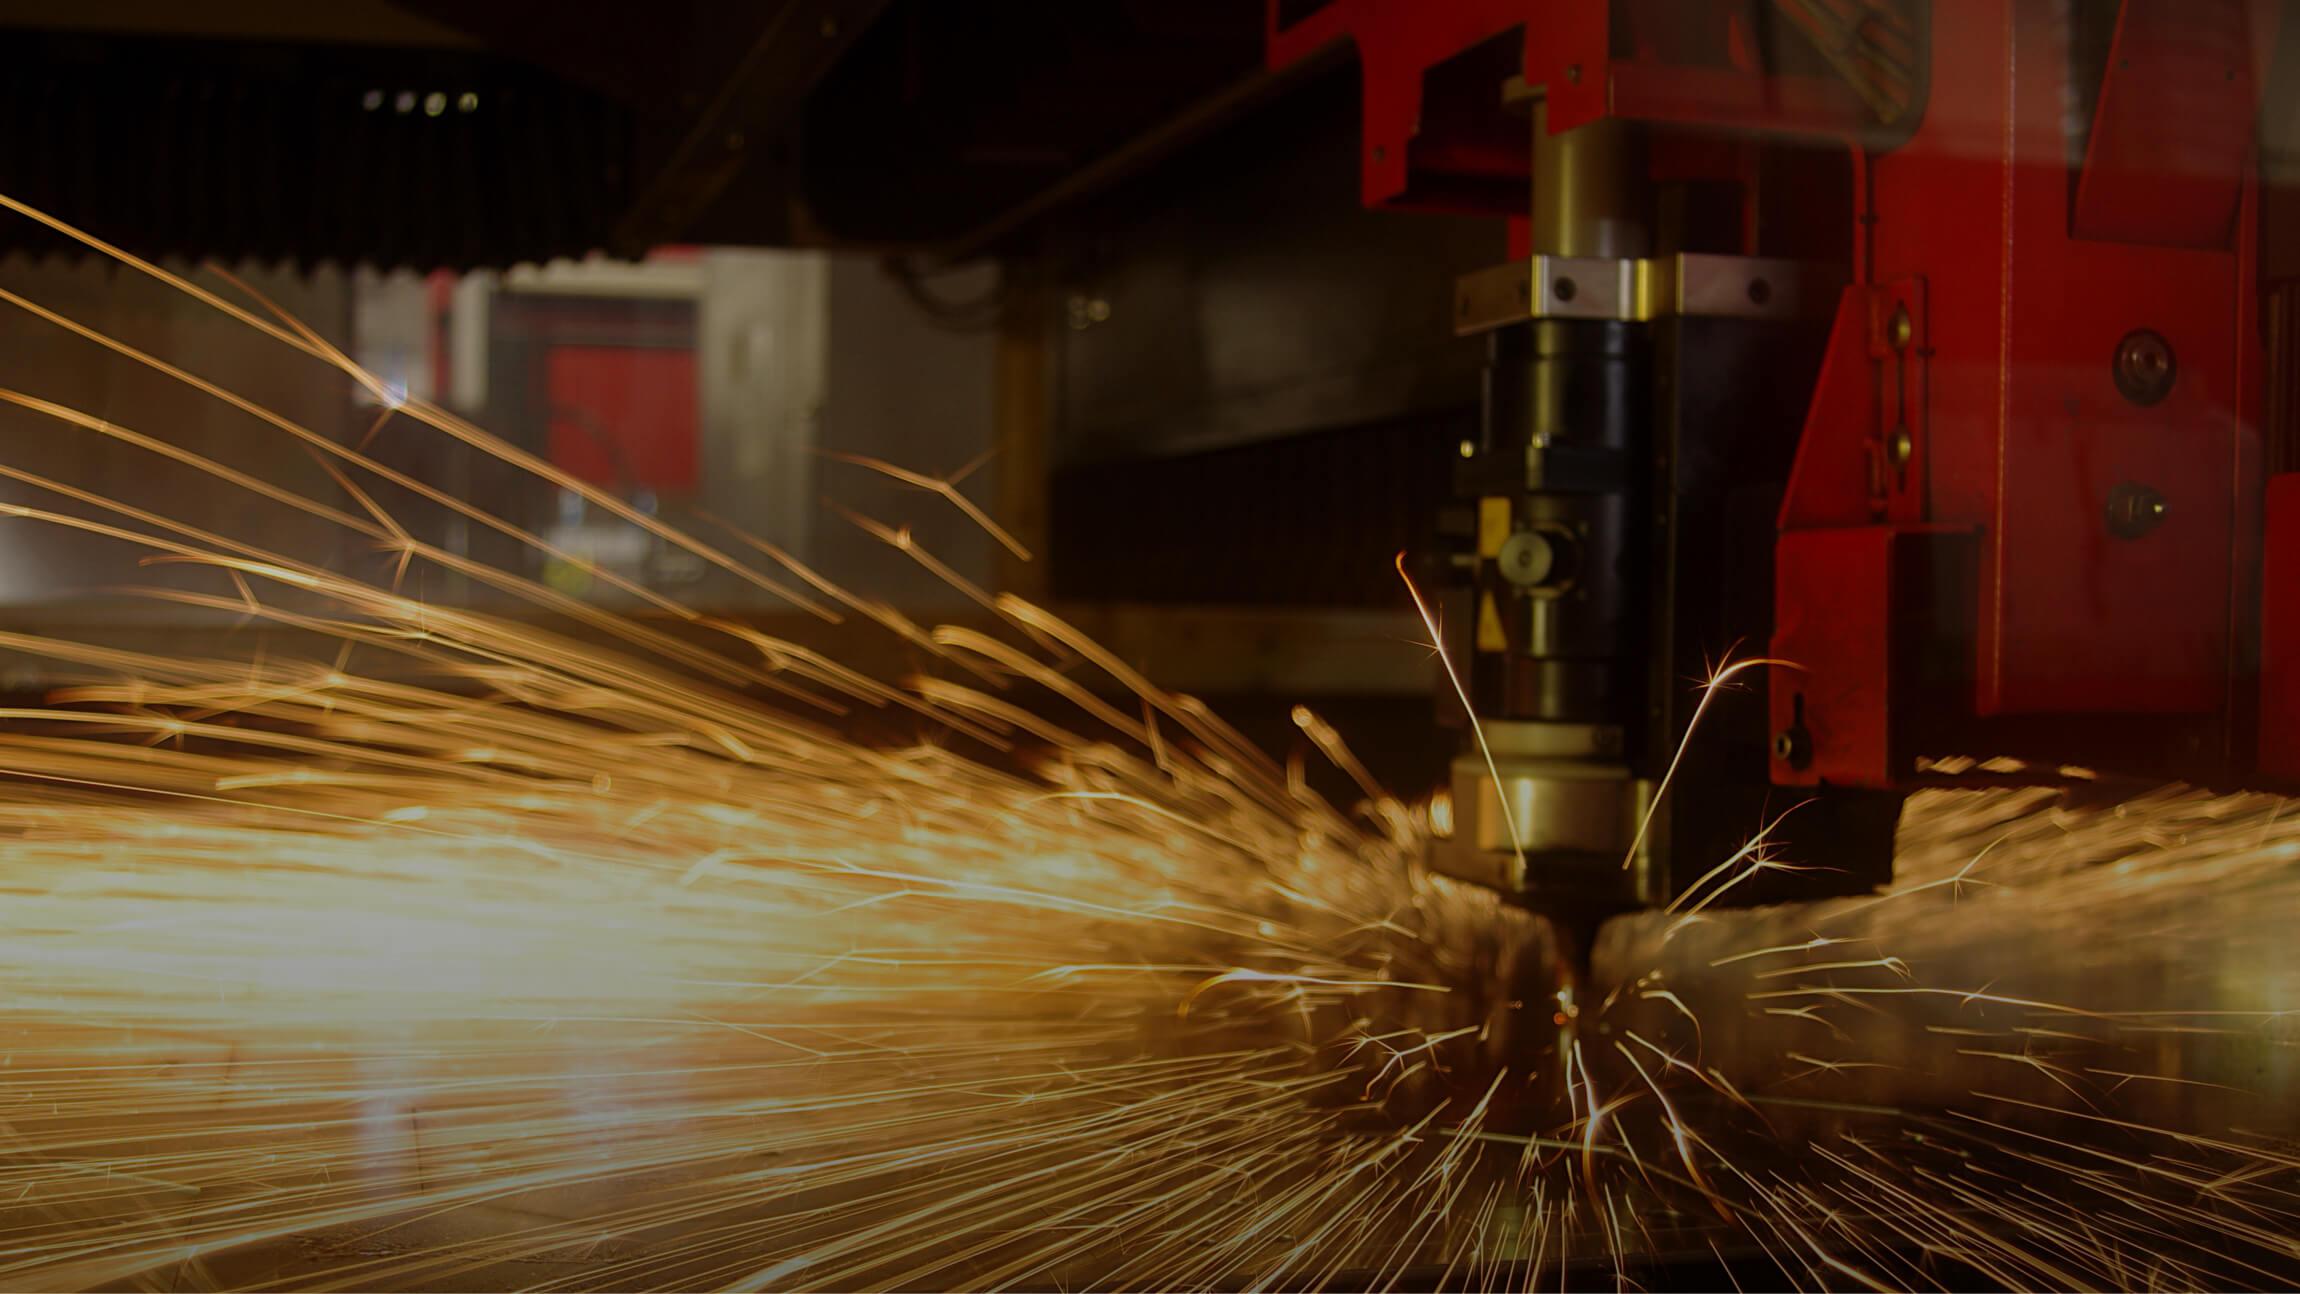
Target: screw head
1542,562
2134,510
1793,746
1901,446
2145,366
1527,559
1902,330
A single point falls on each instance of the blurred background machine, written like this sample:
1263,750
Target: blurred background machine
1943,349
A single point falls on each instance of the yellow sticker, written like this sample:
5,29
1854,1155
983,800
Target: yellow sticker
1492,526
1489,634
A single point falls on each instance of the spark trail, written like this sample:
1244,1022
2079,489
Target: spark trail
582,949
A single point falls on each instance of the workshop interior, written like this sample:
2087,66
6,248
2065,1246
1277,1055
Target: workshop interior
1655,453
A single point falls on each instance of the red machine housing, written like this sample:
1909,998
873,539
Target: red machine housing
2028,507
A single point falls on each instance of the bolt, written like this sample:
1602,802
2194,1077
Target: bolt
1902,329
2145,367
1901,446
1793,746
2134,510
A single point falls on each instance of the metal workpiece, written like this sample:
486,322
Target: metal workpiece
1507,968
2036,954
1641,290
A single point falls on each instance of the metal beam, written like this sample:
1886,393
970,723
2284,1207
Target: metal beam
742,118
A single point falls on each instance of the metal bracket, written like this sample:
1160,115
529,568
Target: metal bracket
1900,345
1637,291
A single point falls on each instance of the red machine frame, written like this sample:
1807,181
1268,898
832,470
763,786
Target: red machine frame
1949,574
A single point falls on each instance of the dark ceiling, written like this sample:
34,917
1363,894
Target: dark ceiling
460,133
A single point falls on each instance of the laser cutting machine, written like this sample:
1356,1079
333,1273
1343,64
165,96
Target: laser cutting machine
1784,405
1913,350
1938,354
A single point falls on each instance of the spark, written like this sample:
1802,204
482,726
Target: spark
943,487
446,948
1461,692
1716,682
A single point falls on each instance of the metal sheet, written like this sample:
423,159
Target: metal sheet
2090,958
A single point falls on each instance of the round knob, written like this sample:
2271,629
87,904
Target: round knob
1537,559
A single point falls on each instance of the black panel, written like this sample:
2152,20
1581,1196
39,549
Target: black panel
1245,293
948,112
1306,520
1729,409
427,158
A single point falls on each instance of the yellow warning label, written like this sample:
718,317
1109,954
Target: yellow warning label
1489,634
1492,526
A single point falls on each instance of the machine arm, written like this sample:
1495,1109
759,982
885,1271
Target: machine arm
1910,345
